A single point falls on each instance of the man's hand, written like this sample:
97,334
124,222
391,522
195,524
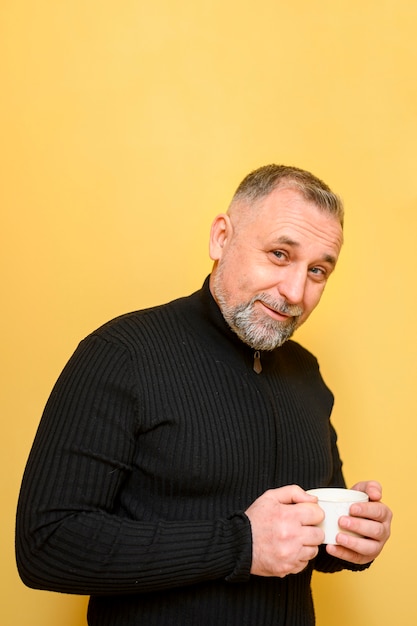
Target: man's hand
284,535
370,519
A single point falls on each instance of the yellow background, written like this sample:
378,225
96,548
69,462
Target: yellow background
125,127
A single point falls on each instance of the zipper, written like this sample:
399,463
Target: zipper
257,365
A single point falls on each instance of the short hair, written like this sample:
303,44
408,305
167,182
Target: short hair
262,181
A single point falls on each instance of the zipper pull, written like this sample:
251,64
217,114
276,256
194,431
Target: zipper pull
257,365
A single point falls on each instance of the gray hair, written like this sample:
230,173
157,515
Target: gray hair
262,181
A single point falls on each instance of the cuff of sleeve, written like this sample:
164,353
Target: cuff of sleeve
328,564
243,536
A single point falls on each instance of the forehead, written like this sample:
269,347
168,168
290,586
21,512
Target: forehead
285,215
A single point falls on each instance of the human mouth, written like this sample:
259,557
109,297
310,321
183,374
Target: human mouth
274,313
280,311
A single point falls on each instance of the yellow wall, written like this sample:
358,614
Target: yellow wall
125,126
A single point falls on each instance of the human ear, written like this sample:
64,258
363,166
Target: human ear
220,231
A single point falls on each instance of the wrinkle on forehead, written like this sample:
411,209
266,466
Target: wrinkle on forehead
304,224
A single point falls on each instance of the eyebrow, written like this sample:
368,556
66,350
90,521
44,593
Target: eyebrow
288,241
327,258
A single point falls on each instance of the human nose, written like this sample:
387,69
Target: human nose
292,284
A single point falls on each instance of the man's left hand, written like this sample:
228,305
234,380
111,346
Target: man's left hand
371,520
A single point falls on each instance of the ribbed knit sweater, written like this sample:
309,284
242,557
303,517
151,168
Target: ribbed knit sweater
156,438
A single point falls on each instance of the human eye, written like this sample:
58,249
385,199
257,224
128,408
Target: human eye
319,273
280,255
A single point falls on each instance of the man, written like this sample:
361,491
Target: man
167,479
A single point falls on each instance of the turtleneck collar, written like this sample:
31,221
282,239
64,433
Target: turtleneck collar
206,307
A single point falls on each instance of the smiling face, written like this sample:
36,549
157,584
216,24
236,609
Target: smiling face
272,262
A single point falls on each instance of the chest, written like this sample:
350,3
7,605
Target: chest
225,435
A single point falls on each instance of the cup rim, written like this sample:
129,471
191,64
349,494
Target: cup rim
338,494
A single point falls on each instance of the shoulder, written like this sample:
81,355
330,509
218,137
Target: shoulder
144,324
293,351
303,368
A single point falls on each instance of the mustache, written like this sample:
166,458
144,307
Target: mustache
279,306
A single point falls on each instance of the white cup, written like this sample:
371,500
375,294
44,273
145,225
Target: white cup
335,503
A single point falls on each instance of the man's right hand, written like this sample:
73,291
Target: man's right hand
284,535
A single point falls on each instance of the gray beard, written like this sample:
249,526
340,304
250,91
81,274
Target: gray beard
257,330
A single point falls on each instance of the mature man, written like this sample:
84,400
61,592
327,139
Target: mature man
167,479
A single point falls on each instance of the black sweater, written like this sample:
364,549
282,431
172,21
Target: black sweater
156,438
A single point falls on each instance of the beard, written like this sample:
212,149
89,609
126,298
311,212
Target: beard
255,328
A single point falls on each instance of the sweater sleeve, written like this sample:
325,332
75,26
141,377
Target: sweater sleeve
72,534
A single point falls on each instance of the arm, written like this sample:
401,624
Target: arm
72,532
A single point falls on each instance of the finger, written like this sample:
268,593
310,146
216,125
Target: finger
371,510
346,554
370,528
310,515
292,494
371,487
313,537
307,555
355,549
